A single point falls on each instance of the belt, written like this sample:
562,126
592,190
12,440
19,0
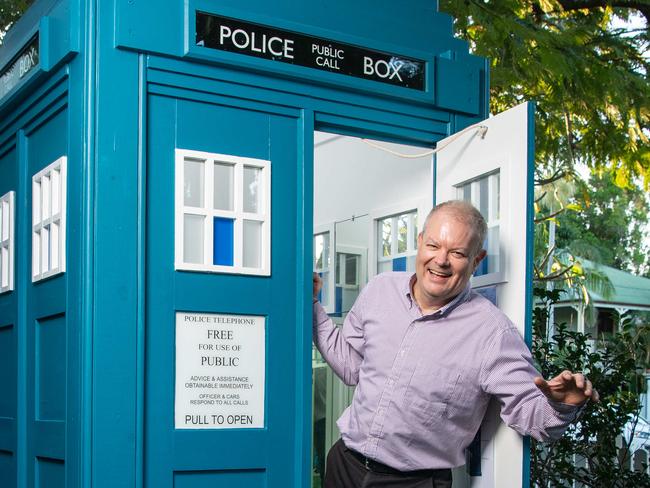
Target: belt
377,467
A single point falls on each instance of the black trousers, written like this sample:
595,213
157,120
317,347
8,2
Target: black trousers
346,471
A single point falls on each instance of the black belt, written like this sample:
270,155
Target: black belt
377,467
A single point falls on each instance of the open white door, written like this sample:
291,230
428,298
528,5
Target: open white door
493,169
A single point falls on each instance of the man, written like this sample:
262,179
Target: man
426,355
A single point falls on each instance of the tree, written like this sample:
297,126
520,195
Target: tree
10,12
588,78
588,453
609,228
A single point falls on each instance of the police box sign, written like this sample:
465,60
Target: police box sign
215,32
22,64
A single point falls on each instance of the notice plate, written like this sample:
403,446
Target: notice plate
220,369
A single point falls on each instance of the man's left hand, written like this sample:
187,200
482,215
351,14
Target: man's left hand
568,387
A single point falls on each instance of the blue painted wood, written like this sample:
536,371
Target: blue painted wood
9,332
530,224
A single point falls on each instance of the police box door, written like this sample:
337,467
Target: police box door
492,167
224,314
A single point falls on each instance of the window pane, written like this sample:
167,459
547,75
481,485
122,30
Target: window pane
384,229
36,202
4,267
493,249
410,264
252,189
45,249
36,254
56,187
54,240
224,182
339,259
384,266
415,230
4,221
223,252
194,182
402,233
193,235
322,250
324,293
467,192
351,261
252,244
45,185
484,192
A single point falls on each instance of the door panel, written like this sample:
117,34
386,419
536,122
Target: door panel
221,457
493,169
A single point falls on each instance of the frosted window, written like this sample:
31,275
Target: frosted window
351,269
252,244
402,233
384,266
396,239
7,242
49,220
251,191
483,193
221,213
322,251
193,185
193,237
224,182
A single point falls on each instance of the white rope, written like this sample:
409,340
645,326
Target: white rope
480,129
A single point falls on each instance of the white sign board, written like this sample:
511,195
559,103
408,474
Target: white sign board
220,367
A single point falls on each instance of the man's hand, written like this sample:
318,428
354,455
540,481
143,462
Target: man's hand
318,284
568,387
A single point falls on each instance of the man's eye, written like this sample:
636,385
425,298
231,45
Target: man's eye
458,254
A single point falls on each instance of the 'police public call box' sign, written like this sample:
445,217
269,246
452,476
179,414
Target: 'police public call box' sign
231,35
220,369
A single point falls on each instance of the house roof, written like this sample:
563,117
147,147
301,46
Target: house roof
629,290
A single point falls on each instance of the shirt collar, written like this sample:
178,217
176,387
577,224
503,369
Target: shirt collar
446,309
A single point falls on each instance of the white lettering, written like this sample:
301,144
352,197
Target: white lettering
223,33
271,50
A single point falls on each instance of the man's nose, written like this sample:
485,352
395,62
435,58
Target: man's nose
441,258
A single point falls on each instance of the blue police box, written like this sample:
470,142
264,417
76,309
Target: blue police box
156,176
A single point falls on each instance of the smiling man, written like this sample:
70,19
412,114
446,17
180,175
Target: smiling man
426,354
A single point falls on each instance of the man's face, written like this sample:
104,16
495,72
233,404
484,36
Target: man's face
445,261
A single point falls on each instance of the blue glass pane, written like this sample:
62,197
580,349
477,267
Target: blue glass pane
223,241
338,299
399,264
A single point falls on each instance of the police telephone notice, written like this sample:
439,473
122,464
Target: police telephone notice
220,370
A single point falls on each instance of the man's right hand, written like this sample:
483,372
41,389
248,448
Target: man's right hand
318,284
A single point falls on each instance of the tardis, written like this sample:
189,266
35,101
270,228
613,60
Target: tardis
171,174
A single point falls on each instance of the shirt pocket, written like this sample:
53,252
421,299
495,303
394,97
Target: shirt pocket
431,390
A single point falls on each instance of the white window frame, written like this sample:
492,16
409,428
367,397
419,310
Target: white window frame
419,207
492,220
44,186
237,214
330,291
7,223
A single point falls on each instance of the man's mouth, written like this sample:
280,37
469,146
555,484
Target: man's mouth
439,274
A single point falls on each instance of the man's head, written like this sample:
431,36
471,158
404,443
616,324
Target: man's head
450,247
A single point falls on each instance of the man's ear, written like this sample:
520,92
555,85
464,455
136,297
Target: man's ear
479,257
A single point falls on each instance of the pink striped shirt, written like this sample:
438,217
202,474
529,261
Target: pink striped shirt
423,383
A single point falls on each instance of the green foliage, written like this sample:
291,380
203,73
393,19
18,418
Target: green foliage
616,367
609,226
10,12
589,79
